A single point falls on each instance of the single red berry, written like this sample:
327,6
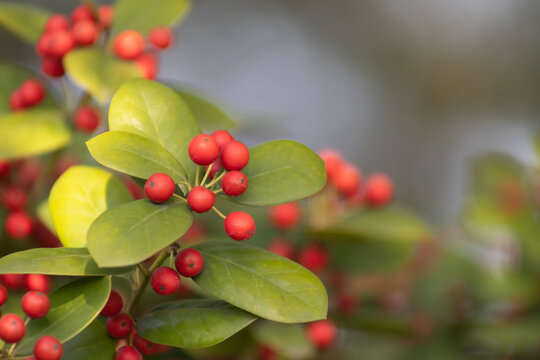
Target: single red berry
87,119
348,180
29,171
3,295
282,247
347,304
234,183
201,199
203,149
313,257
16,101
48,348
82,12
234,155
113,306
119,325
216,166
52,66
222,137
144,346
285,216
189,262
12,328
322,333
61,43
5,167
239,225
56,22
333,160
85,32
43,44
379,190
35,304
161,37
14,198
32,92
13,281
148,65
159,187
19,225
196,231
105,16
165,280
38,282
128,44
128,353
137,192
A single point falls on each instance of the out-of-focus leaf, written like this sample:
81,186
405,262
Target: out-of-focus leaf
144,15
289,340
23,20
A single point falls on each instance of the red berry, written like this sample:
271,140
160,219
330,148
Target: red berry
61,43
105,16
32,92
3,295
128,44
216,166
38,282
144,346
16,101
203,149
48,348
14,198
189,262
52,66
134,189
239,225
13,281
87,119
19,225
12,328
322,333
82,12
379,190
165,280
148,65
85,32
234,183
159,187
313,257
282,247
35,304
56,22
333,160
285,216
234,156
113,306
5,166
43,44
29,171
347,180
222,137
119,326
128,353
201,199
161,37
347,304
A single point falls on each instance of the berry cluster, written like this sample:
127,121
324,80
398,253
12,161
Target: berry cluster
166,281
30,93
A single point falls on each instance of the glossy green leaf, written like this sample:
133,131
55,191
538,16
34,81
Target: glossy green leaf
281,171
55,261
73,307
23,20
193,323
32,132
261,282
98,72
134,155
289,340
154,111
91,341
130,233
78,197
144,15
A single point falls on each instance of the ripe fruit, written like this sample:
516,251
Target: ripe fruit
322,333
85,32
189,262
87,119
12,328
61,42
159,187
222,137
13,281
38,282
379,190
113,306
144,346
16,101
203,149
119,325
333,160
201,199
128,44
5,166
234,155
32,92
148,65
82,12
56,22
165,280
105,16
239,225
52,66
19,225
161,37
48,348
216,166
282,247
3,295
128,353
14,198
35,304
234,183
285,216
347,180
313,257
347,304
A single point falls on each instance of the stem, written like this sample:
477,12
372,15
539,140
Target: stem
178,196
187,184
218,191
12,347
197,175
143,269
216,179
206,174
218,212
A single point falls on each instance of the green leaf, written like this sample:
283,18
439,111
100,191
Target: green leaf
98,72
91,341
78,197
193,323
73,307
154,111
281,171
25,21
289,340
134,155
32,132
261,282
144,15
55,261
130,233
